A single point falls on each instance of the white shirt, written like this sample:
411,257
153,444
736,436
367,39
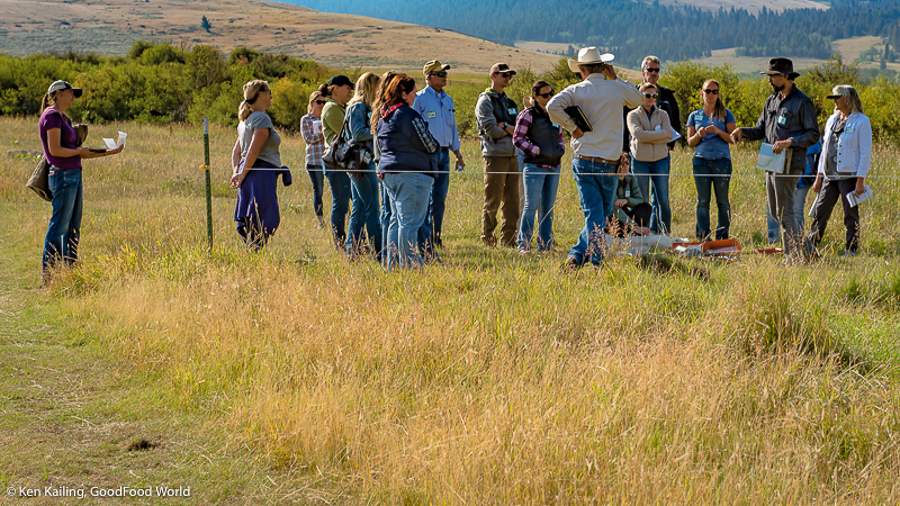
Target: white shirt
854,150
601,101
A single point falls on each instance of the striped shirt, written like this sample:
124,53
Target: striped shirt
311,128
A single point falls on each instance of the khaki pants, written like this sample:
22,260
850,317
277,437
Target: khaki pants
501,188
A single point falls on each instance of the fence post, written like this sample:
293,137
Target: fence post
209,228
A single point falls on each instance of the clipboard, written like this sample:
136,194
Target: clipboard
769,161
578,118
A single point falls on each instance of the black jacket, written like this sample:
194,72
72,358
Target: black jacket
792,118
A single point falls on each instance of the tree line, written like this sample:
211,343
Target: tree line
160,83
633,29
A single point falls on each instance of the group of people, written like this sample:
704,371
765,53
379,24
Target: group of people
621,165
621,162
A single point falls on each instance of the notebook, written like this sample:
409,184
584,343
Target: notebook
769,161
578,118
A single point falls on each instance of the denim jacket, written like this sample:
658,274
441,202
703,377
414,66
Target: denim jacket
358,115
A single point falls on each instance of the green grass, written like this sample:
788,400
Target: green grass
493,379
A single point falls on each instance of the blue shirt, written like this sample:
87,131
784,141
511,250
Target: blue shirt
437,110
711,147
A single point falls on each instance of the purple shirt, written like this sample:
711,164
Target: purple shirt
67,139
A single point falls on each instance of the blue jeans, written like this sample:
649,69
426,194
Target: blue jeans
318,185
540,190
657,194
64,231
774,229
364,189
409,194
596,183
340,202
431,230
385,218
720,170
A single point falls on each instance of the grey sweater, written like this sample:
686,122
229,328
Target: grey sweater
491,109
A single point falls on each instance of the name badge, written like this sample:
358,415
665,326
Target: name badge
627,194
782,120
512,111
554,125
369,114
698,118
430,114
849,130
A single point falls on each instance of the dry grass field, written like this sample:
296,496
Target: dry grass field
295,377
108,27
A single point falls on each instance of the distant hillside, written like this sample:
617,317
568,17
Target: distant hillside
109,27
673,30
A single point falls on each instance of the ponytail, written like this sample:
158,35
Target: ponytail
251,93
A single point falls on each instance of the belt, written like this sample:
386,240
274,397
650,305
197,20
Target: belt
445,149
597,159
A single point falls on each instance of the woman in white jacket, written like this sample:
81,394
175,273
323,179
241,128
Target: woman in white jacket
843,165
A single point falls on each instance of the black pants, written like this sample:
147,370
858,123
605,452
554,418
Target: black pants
640,214
831,192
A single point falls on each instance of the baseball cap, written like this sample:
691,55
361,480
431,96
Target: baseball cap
63,85
434,66
340,80
502,67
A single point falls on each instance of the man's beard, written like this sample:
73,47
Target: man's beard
777,88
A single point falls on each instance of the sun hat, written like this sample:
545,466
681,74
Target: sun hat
781,67
589,55
501,67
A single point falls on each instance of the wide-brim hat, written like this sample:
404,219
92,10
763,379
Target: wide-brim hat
781,67
589,55
63,85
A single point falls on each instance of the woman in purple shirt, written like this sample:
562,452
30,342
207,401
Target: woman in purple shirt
59,141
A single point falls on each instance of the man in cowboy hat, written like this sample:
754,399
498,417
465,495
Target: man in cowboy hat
788,122
598,153
496,114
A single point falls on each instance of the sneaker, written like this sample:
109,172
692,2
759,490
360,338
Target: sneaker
849,253
524,252
321,222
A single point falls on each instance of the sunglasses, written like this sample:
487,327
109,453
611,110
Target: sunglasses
321,102
545,95
439,74
655,71
651,95
506,74
711,92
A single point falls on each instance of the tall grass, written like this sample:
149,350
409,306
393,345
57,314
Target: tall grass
493,379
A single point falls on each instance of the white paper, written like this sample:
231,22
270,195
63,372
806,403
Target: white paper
854,200
113,144
769,161
675,135
812,210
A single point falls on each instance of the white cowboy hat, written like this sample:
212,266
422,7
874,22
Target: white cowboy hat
588,55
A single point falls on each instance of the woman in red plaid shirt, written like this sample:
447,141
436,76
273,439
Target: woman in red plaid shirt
543,144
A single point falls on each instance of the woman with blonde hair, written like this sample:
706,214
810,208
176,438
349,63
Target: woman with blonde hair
709,132
363,185
256,164
313,135
651,131
60,143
